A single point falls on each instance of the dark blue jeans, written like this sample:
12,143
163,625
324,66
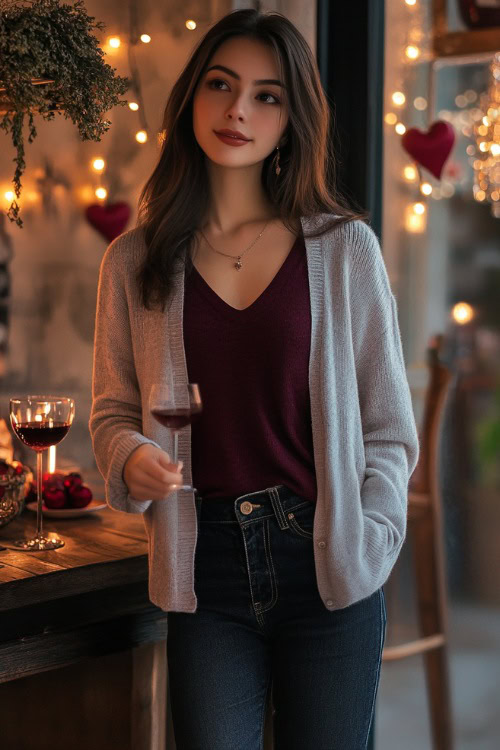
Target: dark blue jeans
260,626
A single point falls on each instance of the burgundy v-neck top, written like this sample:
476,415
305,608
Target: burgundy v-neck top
252,369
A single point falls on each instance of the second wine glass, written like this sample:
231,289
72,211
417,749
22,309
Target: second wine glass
39,422
175,406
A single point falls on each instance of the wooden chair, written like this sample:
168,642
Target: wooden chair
425,525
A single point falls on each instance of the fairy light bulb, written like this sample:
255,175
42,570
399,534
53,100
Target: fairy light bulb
418,208
495,149
98,165
398,98
420,103
412,52
190,24
410,173
410,2
426,188
400,128
114,41
462,313
133,106
141,136
101,193
9,196
391,118
414,223
145,38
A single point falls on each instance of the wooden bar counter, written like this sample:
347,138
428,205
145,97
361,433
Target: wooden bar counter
82,649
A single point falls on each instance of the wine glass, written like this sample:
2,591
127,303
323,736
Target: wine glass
39,422
175,406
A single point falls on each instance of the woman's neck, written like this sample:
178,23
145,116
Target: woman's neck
237,199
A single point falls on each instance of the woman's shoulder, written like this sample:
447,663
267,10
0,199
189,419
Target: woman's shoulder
352,238
126,250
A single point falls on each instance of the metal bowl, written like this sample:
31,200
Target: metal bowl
15,489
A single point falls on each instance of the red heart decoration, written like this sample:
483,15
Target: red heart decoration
109,220
430,149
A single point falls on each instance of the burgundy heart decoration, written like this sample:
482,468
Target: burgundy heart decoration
430,149
110,220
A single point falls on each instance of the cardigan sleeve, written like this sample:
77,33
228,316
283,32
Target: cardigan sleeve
390,434
116,419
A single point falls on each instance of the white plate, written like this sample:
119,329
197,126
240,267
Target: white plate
68,512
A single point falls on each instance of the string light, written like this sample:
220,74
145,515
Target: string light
400,128
98,165
410,2
101,193
141,136
462,313
391,118
145,38
486,129
426,188
133,106
412,52
398,98
410,173
418,208
190,24
414,222
420,103
114,41
9,195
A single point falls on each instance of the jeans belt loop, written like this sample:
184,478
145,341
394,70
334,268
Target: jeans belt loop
278,508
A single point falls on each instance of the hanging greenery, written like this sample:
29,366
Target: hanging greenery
50,61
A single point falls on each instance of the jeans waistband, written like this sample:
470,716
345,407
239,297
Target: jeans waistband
250,507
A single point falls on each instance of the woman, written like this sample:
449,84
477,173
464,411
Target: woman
248,275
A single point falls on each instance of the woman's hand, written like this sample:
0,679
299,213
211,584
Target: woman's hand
148,473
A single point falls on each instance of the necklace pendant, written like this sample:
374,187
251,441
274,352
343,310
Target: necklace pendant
238,264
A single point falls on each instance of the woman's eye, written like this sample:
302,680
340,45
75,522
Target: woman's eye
276,100
215,81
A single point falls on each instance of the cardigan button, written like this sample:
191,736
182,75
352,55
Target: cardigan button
329,603
322,544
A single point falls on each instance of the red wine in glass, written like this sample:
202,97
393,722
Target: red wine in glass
41,435
176,419
175,406
39,422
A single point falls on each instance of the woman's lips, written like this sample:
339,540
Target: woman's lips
230,140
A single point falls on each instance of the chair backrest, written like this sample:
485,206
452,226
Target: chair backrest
425,475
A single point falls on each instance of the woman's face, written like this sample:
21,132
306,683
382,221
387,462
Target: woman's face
232,99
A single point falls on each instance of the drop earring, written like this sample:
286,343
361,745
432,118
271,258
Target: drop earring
277,157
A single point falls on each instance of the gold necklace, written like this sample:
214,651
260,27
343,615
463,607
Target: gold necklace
238,265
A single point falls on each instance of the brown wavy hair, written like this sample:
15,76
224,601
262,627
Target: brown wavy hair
175,198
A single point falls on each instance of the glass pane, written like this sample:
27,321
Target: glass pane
441,244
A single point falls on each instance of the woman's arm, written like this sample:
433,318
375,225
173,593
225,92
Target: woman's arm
389,431
116,419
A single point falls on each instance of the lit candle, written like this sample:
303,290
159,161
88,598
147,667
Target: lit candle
52,459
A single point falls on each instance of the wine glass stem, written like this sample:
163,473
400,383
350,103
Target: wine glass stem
39,515
176,445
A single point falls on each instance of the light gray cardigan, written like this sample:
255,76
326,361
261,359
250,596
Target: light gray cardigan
364,434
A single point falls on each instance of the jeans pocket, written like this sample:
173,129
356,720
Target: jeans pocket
301,520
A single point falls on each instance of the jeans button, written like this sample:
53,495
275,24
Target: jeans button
246,507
